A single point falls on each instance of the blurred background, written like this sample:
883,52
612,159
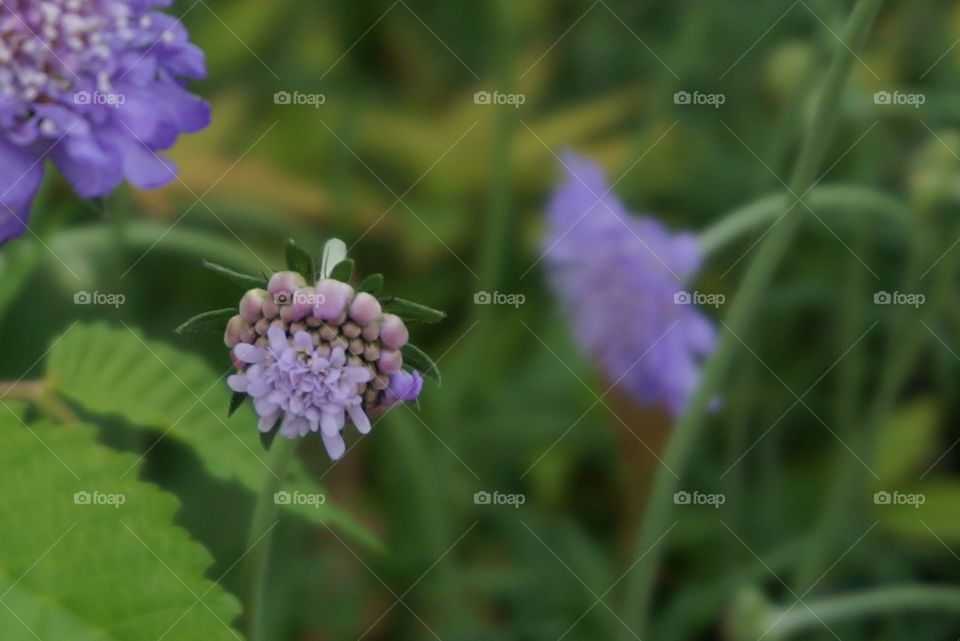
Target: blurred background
426,134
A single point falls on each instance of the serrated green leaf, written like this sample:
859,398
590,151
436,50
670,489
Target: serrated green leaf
246,281
372,284
416,358
298,260
95,555
212,322
343,271
116,371
413,312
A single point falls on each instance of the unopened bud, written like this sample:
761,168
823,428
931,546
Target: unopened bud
285,283
332,299
390,361
393,332
364,309
251,305
234,333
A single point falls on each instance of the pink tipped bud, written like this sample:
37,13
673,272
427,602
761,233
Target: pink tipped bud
251,305
332,299
283,284
390,361
393,332
234,333
364,309
302,303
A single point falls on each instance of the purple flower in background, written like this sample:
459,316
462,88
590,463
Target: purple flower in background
95,86
621,278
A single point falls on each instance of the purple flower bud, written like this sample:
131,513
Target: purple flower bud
251,305
235,331
393,332
404,386
283,284
364,309
301,305
390,361
332,299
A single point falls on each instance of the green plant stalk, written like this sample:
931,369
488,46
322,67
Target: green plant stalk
840,199
649,549
880,601
264,520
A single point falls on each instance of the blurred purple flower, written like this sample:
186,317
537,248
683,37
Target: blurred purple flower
93,85
620,278
291,380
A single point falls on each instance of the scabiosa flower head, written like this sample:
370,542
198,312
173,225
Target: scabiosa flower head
95,86
618,277
315,358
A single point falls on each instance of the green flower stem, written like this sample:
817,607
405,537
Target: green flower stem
840,199
877,602
649,548
261,534
40,394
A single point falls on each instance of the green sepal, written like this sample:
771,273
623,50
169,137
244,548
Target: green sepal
245,281
413,312
417,359
343,271
372,284
212,322
299,260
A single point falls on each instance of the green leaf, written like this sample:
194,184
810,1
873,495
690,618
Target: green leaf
924,520
343,271
212,322
299,260
906,441
372,284
245,281
235,402
266,438
414,312
116,371
94,554
416,358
